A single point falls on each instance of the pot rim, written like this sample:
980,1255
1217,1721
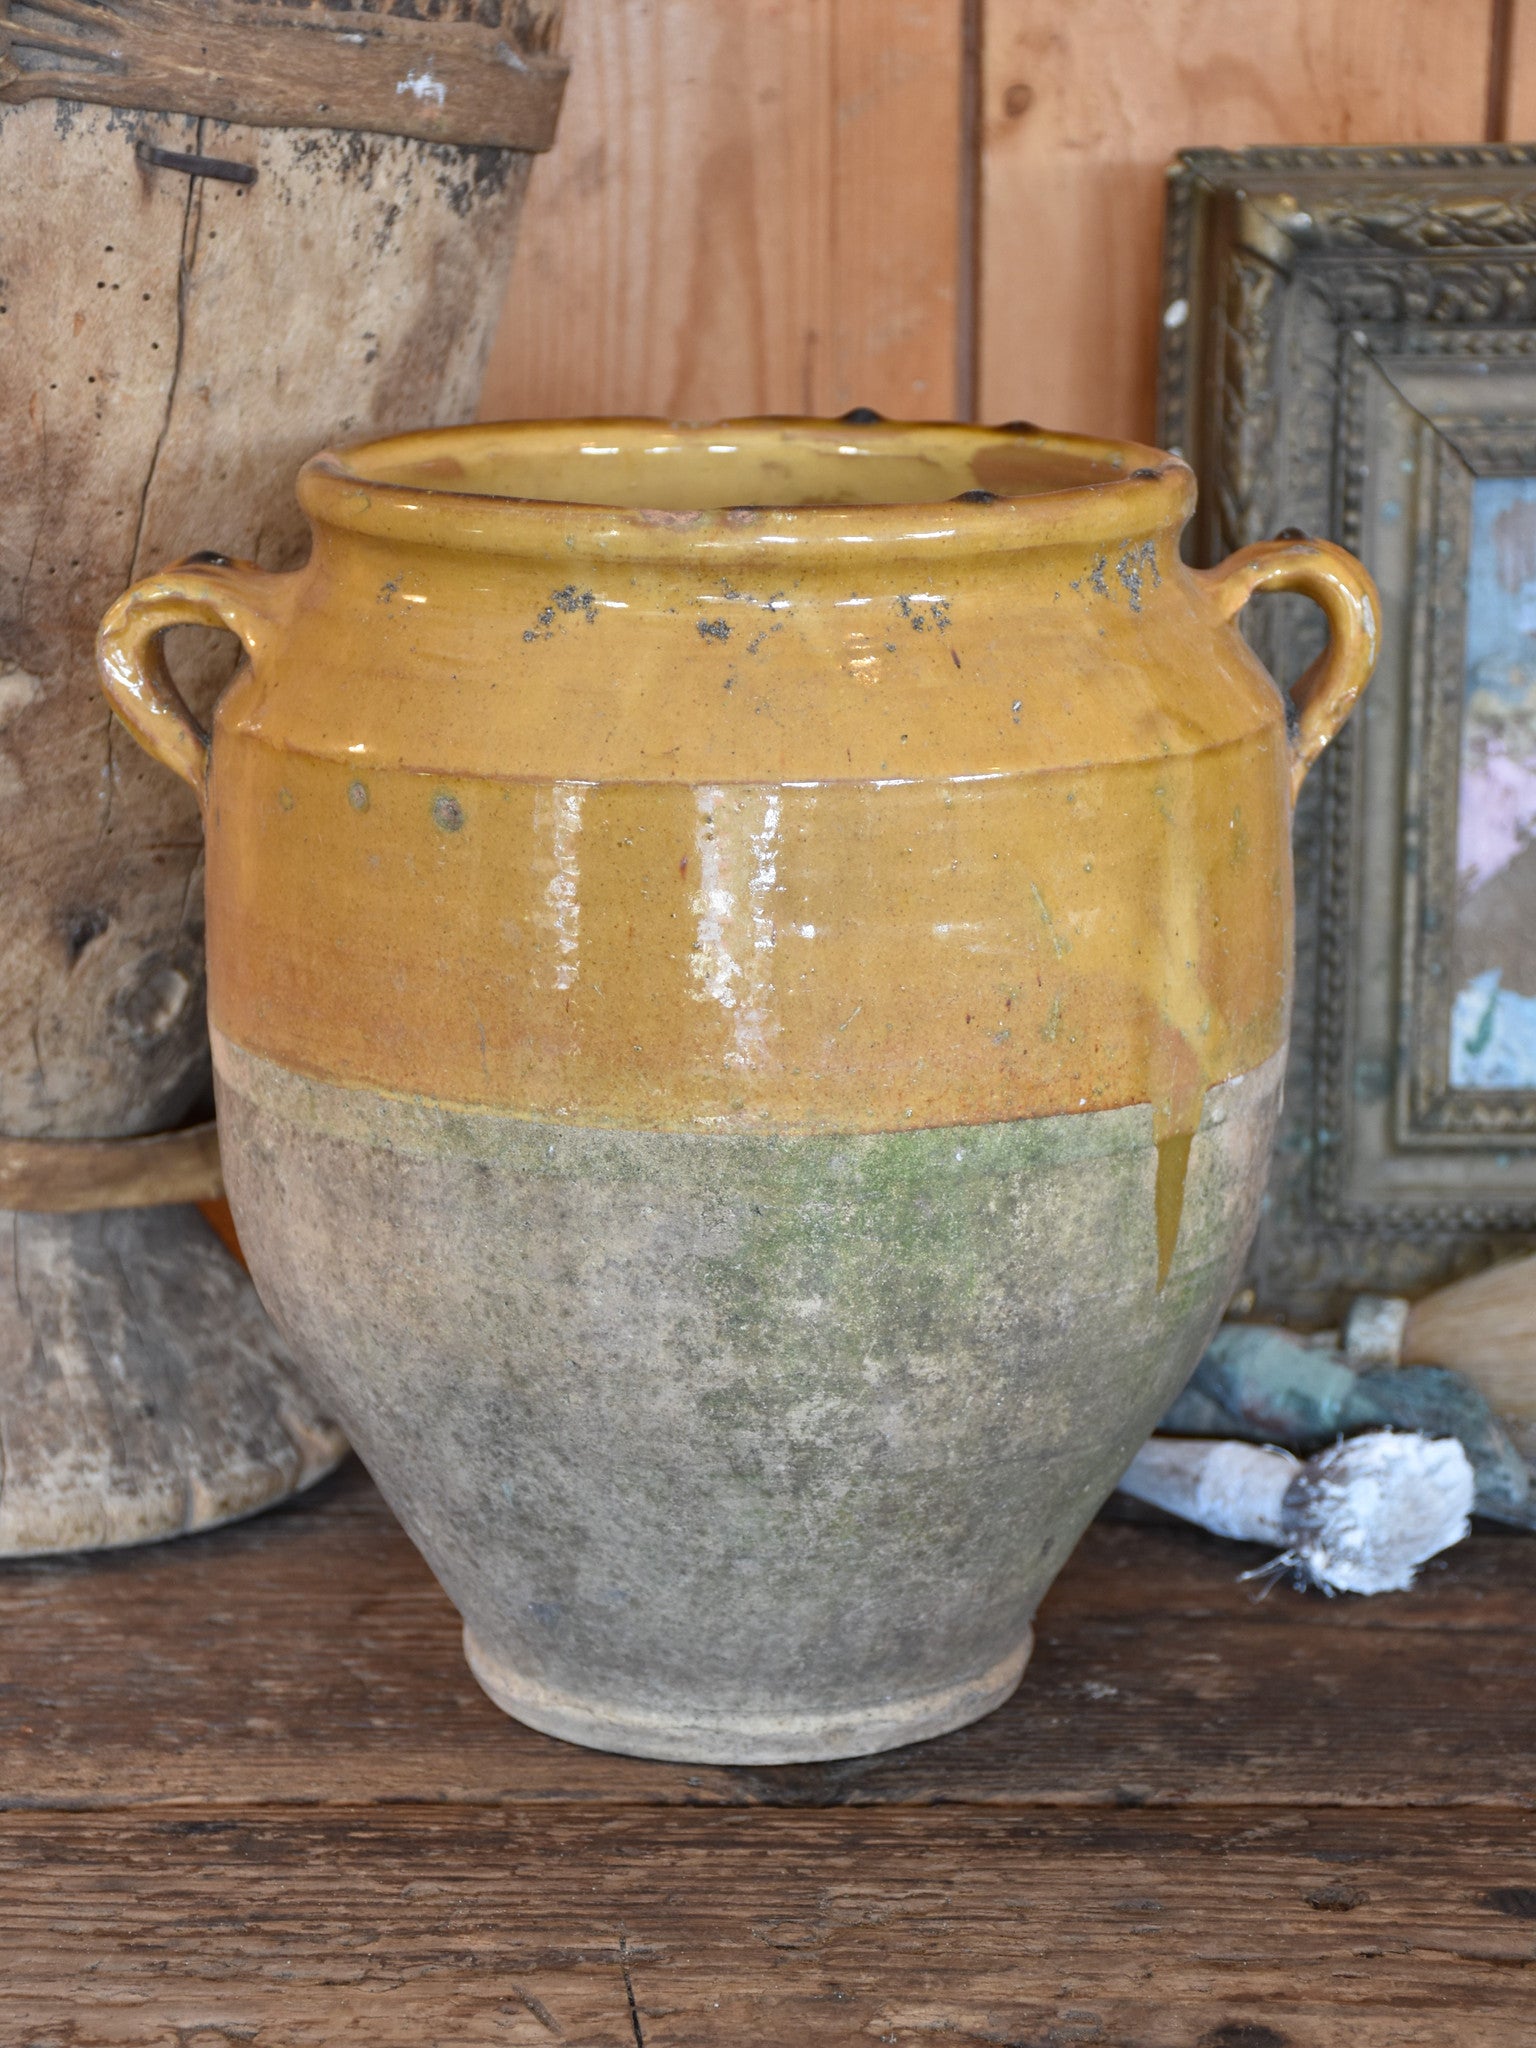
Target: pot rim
1128,490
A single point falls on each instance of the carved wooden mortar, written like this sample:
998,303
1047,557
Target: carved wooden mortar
230,232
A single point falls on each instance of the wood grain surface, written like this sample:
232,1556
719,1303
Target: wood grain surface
252,1795
310,1656
1083,107
934,209
751,209
642,1929
1513,92
455,81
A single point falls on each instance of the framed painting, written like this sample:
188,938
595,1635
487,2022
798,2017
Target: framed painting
1350,348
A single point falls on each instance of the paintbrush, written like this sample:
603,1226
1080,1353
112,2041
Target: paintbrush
1360,1517
1271,1387
1484,1327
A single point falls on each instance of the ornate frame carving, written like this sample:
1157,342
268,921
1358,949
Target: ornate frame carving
1349,342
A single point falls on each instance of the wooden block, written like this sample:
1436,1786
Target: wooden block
750,209
637,1929
310,1656
1084,107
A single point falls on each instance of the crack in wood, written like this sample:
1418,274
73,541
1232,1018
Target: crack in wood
191,223
37,533
629,1989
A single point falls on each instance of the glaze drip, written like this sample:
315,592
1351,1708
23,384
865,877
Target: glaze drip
1172,1170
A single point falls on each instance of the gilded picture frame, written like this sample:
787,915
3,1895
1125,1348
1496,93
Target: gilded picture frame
1349,347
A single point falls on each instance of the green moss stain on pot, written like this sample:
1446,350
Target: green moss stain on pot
581,1365
750,971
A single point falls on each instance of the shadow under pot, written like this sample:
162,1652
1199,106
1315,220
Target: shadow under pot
749,970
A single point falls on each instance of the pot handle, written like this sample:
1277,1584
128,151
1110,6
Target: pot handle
1326,694
203,590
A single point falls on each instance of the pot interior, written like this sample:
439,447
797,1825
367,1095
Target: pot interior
648,465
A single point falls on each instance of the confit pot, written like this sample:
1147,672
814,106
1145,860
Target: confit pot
749,972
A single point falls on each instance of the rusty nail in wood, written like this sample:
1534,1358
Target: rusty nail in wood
195,166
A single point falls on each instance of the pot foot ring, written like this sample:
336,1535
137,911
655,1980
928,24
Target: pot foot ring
687,1736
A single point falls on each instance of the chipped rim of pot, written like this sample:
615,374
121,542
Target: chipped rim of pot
419,488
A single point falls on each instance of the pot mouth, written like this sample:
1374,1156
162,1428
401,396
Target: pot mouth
643,487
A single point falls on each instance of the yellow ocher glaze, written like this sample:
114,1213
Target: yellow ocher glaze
752,777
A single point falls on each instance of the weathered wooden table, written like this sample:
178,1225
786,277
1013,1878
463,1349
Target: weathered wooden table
253,1796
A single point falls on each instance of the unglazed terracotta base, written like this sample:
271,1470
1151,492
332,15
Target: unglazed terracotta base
677,1737
737,1448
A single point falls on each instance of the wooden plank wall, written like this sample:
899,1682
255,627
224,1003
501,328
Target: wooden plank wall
1086,102
752,207
948,208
